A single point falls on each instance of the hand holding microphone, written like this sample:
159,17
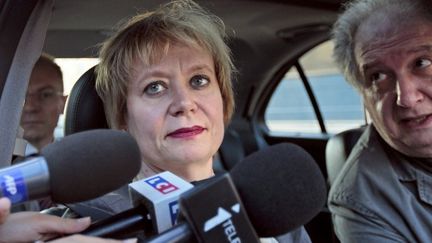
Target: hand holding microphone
30,226
79,167
27,226
5,206
66,172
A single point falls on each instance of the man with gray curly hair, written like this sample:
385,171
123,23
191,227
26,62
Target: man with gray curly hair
384,191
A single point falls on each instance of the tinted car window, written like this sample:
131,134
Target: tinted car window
290,108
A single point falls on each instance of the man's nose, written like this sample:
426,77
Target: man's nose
32,103
408,92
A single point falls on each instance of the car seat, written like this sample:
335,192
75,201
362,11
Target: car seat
85,111
338,149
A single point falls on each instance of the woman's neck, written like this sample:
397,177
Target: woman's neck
190,172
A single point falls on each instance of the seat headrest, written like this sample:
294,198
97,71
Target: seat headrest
338,149
84,110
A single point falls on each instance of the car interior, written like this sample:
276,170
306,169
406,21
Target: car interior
286,89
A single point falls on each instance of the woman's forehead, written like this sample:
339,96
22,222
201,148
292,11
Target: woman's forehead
150,56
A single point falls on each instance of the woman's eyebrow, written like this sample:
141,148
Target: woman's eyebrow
200,67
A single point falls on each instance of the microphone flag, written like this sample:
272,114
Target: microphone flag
160,194
216,213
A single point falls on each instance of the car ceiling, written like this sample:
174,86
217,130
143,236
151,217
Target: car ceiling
78,26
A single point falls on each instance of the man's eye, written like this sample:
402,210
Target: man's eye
154,88
422,63
47,94
377,77
199,81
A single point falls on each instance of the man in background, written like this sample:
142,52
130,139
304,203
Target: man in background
43,105
384,191
44,102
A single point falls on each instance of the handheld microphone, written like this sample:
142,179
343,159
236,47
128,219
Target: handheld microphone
67,169
160,194
155,201
281,187
215,213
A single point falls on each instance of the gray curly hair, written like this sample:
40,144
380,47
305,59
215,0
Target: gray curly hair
356,11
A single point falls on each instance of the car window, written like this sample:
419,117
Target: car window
72,69
290,108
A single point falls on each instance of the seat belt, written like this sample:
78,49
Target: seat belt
28,51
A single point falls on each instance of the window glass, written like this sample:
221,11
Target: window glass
72,69
290,109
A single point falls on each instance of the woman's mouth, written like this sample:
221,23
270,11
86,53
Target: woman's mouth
186,132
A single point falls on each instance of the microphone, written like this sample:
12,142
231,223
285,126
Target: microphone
155,201
281,187
79,167
215,213
160,194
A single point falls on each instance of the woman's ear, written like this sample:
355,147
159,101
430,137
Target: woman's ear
123,124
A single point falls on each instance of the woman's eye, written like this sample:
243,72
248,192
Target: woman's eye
422,63
154,88
199,81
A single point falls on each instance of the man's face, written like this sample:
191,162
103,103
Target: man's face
396,66
43,106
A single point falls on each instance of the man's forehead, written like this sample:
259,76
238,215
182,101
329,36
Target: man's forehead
43,78
373,34
384,25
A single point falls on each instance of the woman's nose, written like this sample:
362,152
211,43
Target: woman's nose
183,102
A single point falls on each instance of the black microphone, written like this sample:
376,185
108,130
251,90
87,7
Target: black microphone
281,187
79,167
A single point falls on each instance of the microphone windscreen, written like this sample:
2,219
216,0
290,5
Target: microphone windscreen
282,188
88,164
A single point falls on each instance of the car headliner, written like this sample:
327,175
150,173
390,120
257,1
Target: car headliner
76,27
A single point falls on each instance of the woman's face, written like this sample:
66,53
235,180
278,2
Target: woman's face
175,109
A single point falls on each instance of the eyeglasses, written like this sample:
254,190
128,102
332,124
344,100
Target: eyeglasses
45,96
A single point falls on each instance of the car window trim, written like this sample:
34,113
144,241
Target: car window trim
311,95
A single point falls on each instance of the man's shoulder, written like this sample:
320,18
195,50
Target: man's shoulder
364,167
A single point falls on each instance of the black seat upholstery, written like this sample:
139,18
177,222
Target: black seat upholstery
85,111
338,149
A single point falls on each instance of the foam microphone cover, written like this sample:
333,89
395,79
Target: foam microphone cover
88,164
282,188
